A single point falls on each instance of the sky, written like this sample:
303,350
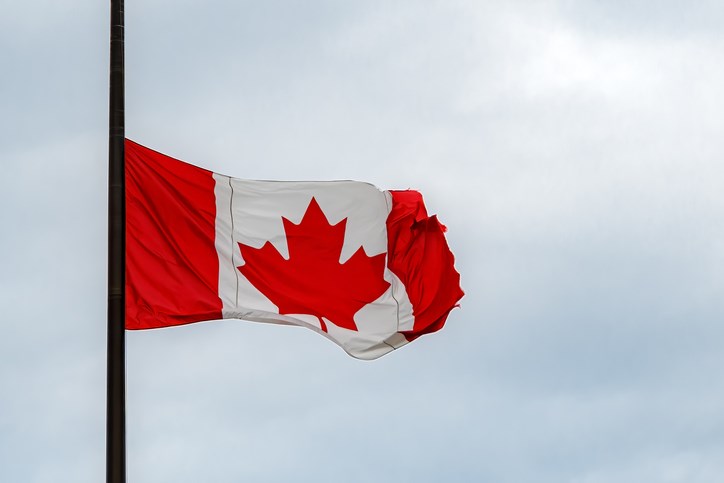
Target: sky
573,149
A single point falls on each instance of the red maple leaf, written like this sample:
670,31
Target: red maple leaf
313,281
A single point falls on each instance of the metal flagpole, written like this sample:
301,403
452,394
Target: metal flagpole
116,377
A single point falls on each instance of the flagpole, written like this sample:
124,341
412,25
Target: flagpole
116,376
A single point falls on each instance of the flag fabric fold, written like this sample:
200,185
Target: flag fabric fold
369,269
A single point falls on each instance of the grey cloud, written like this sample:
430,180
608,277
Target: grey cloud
572,149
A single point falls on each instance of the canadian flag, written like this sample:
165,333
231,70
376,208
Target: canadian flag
368,269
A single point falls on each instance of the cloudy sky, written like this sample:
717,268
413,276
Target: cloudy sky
573,149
